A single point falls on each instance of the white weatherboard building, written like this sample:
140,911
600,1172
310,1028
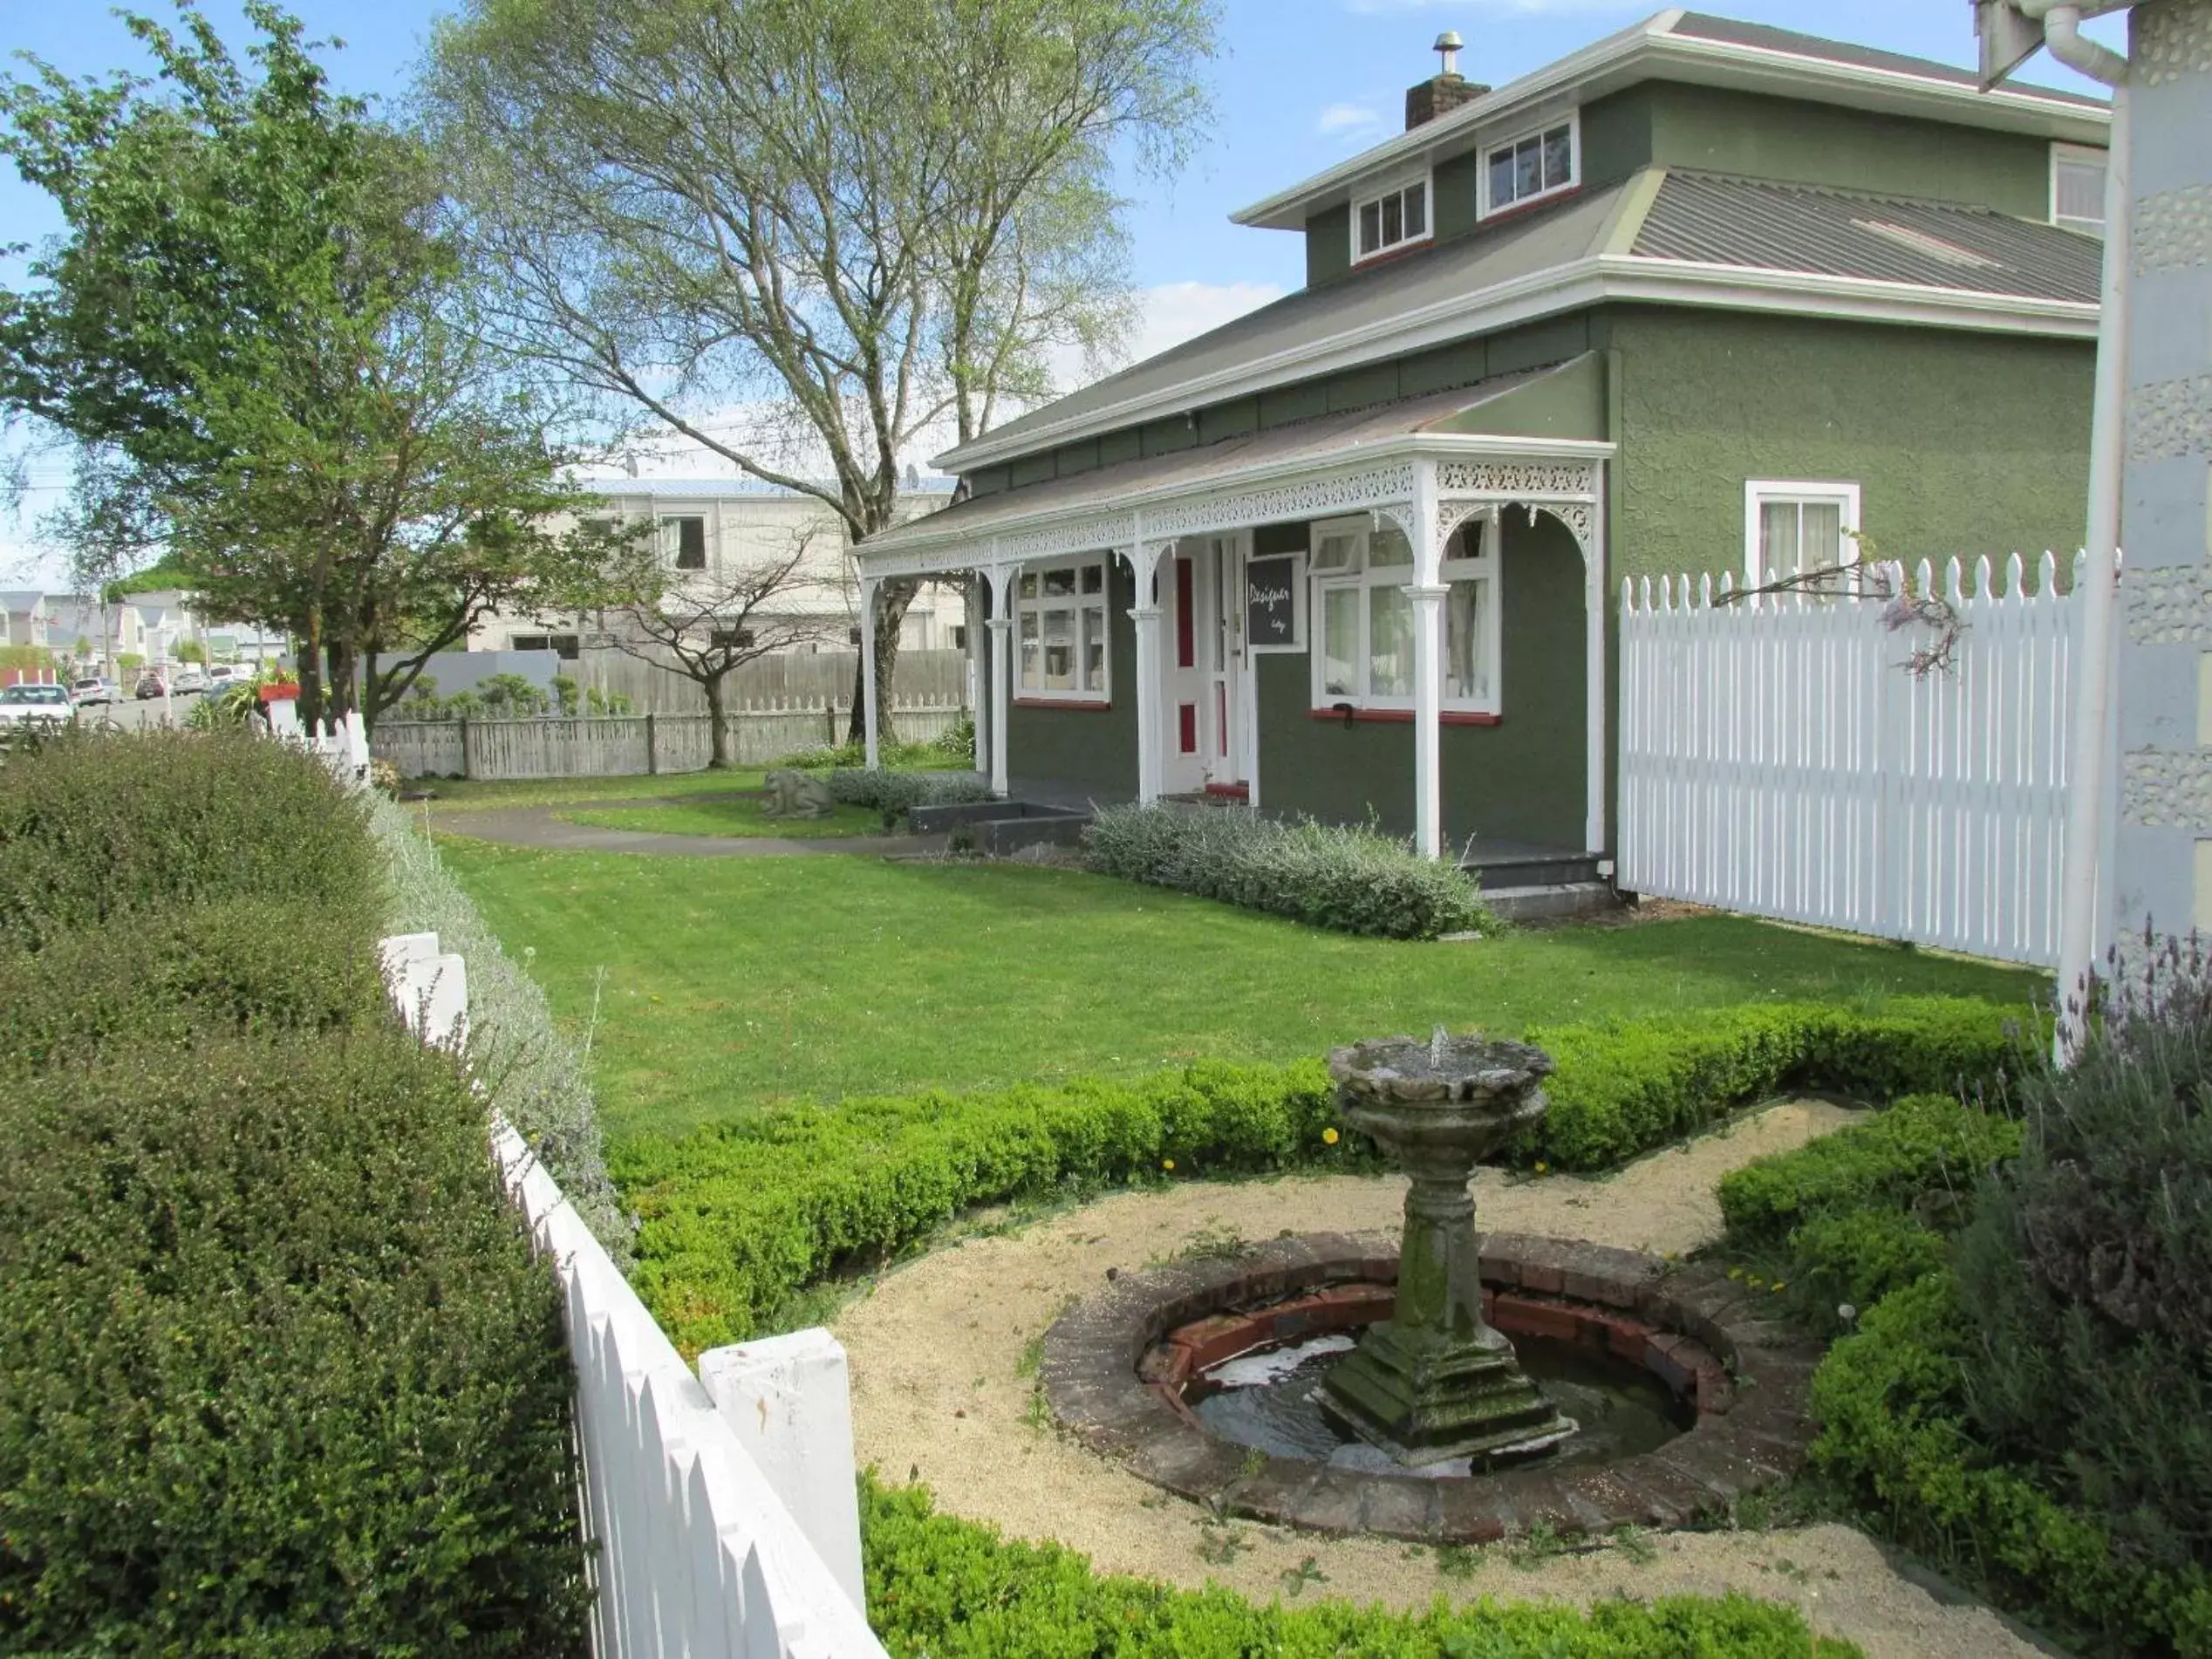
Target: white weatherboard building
713,524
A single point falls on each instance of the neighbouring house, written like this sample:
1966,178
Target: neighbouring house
28,617
1706,296
708,524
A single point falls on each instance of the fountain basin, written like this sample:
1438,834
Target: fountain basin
1119,1370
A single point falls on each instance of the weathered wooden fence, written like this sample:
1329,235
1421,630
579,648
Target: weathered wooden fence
1777,758
627,746
798,679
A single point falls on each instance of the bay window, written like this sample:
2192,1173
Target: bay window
1061,632
1365,654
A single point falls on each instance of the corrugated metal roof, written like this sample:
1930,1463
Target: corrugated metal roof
1519,247
1711,220
1701,25
1323,440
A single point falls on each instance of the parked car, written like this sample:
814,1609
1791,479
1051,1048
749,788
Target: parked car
94,689
46,707
151,684
189,681
222,676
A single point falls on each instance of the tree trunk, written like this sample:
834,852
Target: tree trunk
892,600
311,671
718,742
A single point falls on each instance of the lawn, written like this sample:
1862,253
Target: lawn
731,814
722,986
452,795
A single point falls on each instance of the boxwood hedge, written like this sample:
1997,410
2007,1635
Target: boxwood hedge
945,1588
737,1218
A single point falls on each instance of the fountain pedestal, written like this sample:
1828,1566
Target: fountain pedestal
1435,1382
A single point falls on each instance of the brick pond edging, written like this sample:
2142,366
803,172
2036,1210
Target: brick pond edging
1113,1383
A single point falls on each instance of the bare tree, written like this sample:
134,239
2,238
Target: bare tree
810,237
706,624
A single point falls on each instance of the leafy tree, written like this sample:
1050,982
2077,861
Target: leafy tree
811,235
259,336
191,651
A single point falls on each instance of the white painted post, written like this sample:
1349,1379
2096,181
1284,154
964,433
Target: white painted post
789,1401
1002,579
869,722
1428,597
978,695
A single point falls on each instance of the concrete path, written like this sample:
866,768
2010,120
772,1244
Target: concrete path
538,827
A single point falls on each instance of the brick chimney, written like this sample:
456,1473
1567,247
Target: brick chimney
1440,93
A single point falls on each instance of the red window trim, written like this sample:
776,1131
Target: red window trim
1405,717
1083,705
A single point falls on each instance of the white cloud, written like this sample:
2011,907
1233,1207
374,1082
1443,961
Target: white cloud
1174,312
1352,123
1500,8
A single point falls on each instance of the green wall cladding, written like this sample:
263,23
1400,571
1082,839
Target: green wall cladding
1329,245
1961,443
1087,748
1522,779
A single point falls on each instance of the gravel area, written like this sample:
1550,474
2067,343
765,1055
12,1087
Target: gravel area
944,1352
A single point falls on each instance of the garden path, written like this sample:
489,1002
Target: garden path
539,827
943,1358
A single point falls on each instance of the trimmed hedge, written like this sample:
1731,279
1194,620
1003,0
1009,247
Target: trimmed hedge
897,793
1896,1433
1348,880
738,1219
288,1379
943,1588
98,826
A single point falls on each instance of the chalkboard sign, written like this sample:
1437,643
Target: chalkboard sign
1271,608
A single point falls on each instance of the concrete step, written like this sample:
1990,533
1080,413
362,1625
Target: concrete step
1549,900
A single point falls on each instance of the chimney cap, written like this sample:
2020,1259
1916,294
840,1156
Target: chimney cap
1448,45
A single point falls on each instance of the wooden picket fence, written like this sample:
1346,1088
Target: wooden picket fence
1777,758
625,746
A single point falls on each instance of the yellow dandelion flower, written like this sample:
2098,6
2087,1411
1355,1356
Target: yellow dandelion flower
1736,1273
1777,1285
1167,1164
1542,1168
1328,1138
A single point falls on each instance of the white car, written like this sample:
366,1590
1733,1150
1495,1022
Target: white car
94,689
222,676
189,681
47,706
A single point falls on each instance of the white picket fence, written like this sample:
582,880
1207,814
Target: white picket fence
697,1553
343,744
624,746
1776,759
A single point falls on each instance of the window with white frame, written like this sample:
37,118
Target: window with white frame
1532,165
1392,219
683,541
2078,188
1791,528
1364,635
1061,632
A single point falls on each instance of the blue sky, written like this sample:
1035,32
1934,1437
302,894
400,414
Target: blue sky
1303,84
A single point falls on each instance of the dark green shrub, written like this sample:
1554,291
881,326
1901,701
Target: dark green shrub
1896,1433
183,975
944,1588
297,1385
1348,880
2086,1281
1625,1086
99,826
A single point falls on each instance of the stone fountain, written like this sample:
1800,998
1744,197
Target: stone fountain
1435,1382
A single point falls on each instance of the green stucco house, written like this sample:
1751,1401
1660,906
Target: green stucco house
1704,296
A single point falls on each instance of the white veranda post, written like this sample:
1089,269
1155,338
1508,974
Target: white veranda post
869,723
1144,563
1002,578
1428,596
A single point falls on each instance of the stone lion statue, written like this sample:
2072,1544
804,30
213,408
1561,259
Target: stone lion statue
789,794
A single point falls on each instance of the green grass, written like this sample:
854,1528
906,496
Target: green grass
736,815
733,984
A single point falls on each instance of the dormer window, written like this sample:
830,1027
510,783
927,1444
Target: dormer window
1392,219
1531,166
2078,188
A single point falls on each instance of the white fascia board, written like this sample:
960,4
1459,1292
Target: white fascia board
1631,54
1560,288
1432,444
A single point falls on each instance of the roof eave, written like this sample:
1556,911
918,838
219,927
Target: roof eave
1629,56
1586,281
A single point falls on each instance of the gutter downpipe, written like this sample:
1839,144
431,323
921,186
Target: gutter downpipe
2094,700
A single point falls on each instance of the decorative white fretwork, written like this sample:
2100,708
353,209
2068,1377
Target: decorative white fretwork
1312,497
1072,535
1517,480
